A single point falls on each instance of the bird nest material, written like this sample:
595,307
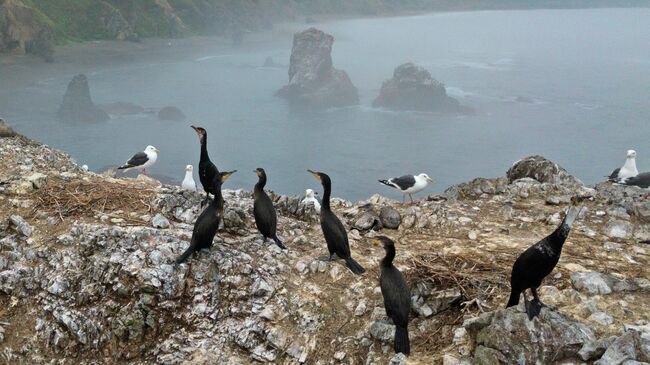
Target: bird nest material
478,281
83,198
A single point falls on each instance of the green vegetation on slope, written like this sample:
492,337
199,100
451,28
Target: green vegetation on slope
42,21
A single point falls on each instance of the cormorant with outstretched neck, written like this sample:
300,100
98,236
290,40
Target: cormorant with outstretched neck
266,219
534,264
207,224
333,230
208,171
397,296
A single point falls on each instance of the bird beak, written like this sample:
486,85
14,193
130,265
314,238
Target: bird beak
157,150
226,175
430,179
315,174
376,241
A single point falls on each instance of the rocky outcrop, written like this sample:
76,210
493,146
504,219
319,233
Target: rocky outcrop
22,30
87,261
5,129
313,81
413,88
171,113
530,176
506,336
542,170
77,105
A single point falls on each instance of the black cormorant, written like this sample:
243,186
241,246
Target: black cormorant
266,219
207,224
397,296
333,230
207,170
534,264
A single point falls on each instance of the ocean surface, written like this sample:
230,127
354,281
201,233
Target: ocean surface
571,85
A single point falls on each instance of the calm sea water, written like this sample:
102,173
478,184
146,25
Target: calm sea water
572,85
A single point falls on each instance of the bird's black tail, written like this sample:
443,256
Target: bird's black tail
190,250
124,167
354,266
278,242
402,343
514,298
385,182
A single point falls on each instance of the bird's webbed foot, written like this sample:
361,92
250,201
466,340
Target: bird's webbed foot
532,307
536,299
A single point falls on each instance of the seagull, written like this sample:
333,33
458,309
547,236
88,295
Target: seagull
84,167
188,182
628,170
141,160
408,184
641,180
310,199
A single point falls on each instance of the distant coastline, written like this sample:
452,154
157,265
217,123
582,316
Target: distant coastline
44,26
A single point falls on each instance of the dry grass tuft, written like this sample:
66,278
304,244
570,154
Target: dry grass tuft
86,198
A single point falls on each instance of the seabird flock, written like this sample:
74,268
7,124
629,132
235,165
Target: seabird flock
528,271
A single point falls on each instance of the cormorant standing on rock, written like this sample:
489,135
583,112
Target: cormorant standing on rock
207,224
266,219
534,264
333,230
208,171
397,297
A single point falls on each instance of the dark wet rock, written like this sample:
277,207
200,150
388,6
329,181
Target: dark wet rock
313,81
171,113
390,217
413,88
542,170
5,129
507,336
122,108
77,104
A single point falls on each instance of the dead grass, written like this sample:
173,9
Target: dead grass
87,198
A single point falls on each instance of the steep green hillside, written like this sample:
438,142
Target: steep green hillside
33,26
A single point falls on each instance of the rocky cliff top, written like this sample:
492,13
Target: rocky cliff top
86,273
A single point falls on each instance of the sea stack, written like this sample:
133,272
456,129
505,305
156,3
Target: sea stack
313,81
77,105
412,88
